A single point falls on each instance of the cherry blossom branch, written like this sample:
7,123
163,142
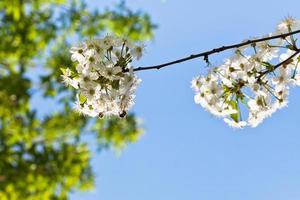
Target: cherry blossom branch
240,86
216,50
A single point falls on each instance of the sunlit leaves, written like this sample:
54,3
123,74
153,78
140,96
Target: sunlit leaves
43,156
117,133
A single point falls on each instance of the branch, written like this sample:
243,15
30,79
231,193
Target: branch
216,50
278,65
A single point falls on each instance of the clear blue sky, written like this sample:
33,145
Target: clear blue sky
187,154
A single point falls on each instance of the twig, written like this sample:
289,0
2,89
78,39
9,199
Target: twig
216,50
278,65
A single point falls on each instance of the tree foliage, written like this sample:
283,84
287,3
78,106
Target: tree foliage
44,156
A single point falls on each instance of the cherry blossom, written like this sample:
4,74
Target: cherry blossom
103,76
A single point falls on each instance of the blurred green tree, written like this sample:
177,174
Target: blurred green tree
45,157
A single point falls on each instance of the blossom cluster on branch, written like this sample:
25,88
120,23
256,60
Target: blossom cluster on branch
248,87
255,81
103,77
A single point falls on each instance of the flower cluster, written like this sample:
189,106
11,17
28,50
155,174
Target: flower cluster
103,77
247,88
254,82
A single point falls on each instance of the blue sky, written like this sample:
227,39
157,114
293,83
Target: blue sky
185,153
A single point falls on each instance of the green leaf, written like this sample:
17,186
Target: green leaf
234,105
82,99
63,70
115,84
42,155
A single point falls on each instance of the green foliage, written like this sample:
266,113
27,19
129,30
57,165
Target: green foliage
44,157
117,133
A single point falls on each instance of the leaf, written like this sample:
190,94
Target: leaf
63,70
234,105
48,146
115,84
82,99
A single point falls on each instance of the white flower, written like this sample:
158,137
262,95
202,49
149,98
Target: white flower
108,41
69,81
234,124
90,90
288,24
198,82
104,89
87,78
77,54
265,52
281,80
256,118
110,72
260,103
137,51
248,81
86,109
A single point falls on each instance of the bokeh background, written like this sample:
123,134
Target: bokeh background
48,152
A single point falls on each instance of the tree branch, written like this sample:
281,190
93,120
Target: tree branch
216,50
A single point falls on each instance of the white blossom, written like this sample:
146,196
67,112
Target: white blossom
251,81
234,124
104,79
288,24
